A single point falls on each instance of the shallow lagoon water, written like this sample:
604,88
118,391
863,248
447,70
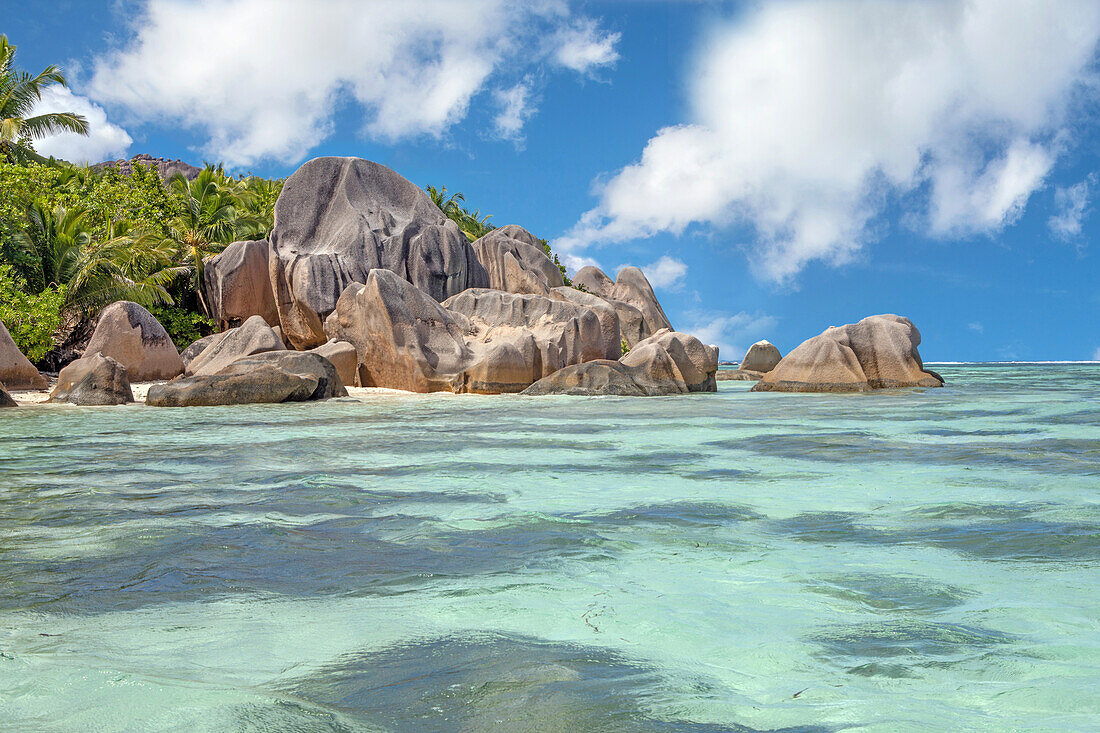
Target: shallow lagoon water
907,560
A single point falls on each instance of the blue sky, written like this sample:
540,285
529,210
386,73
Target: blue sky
776,167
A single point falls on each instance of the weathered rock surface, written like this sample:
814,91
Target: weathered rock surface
16,370
344,357
519,339
130,335
253,336
516,262
403,337
339,218
269,377
738,375
762,357
879,352
165,168
666,363
6,399
630,287
93,380
237,284
609,319
197,347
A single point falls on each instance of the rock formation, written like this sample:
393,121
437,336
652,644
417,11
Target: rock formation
336,220
610,333
165,168
344,357
516,262
237,284
666,363
16,370
760,359
270,377
197,347
130,335
93,380
253,336
879,352
6,399
640,315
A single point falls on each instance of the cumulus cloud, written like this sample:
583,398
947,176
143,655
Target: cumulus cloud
665,272
1071,204
105,140
809,118
583,47
516,107
731,333
263,78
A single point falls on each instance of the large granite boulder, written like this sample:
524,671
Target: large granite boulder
519,339
253,336
667,363
516,261
93,380
130,335
609,319
16,370
237,284
760,359
197,347
344,357
879,352
6,399
404,338
269,377
630,287
339,218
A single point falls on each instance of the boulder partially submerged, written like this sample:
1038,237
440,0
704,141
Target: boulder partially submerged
253,336
130,335
269,377
237,284
16,370
339,218
516,262
760,359
93,380
6,399
879,352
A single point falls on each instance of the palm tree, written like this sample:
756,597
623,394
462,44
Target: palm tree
54,240
19,92
128,265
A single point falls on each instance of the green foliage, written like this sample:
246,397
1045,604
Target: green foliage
625,347
554,258
183,325
31,319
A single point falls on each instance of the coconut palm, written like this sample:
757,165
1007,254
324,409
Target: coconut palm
19,92
129,264
54,240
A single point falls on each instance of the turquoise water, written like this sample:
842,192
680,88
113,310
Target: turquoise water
911,560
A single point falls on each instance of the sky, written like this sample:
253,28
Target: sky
774,167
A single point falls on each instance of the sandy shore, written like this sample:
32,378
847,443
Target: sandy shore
141,390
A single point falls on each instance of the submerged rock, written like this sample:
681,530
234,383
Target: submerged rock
339,218
16,370
270,377
130,335
237,284
253,336
879,352
93,380
516,262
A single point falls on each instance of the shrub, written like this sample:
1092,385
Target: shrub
184,326
31,320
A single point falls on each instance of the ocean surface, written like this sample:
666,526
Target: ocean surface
914,560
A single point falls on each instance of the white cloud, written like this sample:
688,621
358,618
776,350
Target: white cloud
1096,354
1072,207
516,107
665,272
731,333
263,78
810,117
583,46
976,327
105,140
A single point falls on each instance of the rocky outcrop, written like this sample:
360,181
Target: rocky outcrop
879,352
631,287
237,284
6,399
339,218
253,336
403,337
130,335
165,168
16,370
93,380
344,357
519,339
760,359
197,347
270,377
666,363
516,262
609,319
